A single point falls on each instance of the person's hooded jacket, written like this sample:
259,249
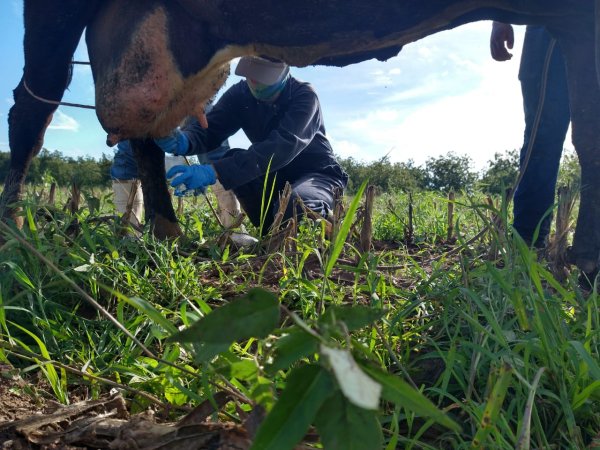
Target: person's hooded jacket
287,135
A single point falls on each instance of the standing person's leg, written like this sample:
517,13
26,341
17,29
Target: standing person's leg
228,206
124,174
535,194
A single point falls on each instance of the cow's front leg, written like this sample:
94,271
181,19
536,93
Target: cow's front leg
157,200
584,92
27,123
52,32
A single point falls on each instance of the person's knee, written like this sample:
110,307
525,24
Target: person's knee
320,207
124,166
123,171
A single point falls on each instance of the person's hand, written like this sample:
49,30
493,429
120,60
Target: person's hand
501,40
177,143
191,178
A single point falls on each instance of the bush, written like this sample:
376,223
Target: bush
384,175
450,172
501,173
85,171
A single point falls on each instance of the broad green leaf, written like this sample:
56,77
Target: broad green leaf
344,426
340,238
174,395
358,388
306,390
255,314
397,391
205,351
290,348
355,317
244,369
146,307
262,392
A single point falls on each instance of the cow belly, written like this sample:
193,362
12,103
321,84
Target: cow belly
142,93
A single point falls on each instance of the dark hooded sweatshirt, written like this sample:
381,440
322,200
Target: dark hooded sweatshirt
288,134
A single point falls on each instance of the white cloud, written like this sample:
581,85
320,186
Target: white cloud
429,86
17,7
450,96
484,119
425,52
345,148
62,121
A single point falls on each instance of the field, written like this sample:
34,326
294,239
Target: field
426,333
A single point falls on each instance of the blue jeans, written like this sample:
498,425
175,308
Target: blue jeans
124,166
534,197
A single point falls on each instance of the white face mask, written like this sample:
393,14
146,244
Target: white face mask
266,92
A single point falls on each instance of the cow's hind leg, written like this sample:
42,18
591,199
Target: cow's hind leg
584,92
157,200
52,32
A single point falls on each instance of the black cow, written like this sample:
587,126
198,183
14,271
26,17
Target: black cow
156,61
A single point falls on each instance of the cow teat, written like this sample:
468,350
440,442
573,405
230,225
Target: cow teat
112,139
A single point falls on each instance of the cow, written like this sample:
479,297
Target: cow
156,61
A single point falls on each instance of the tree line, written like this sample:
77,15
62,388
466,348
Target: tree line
448,172
53,166
443,173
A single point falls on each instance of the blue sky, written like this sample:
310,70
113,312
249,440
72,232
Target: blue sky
443,93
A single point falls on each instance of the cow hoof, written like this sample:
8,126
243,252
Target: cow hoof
586,280
587,266
164,229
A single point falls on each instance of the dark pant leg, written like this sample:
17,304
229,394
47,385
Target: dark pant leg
315,191
124,165
254,200
535,194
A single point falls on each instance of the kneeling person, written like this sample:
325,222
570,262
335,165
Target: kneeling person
281,116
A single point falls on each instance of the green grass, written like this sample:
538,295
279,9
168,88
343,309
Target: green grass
472,349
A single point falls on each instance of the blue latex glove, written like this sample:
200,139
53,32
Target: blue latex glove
191,179
177,143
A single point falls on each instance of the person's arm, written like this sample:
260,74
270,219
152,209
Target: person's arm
502,39
223,122
295,131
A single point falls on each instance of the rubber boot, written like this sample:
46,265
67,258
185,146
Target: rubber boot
228,207
125,192
229,211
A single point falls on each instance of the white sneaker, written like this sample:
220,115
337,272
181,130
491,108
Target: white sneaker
243,240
